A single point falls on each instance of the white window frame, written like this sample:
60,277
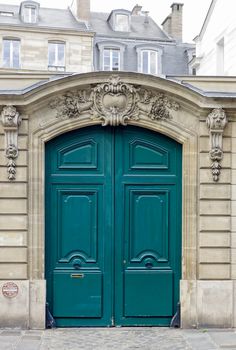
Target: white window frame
57,66
152,48
11,62
149,52
31,18
111,50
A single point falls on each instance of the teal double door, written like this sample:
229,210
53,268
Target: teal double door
113,227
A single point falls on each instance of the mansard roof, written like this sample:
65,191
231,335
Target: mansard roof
49,18
141,27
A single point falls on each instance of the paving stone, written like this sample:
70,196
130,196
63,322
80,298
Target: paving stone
117,339
11,333
224,338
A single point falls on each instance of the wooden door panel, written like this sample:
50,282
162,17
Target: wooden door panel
79,225
148,227
148,294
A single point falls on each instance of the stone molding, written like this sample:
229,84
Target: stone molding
11,121
114,103
216,122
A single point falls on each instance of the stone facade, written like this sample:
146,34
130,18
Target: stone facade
208,222
34,38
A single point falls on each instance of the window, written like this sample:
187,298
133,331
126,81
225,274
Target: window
56,56
6,14
11,53
149,61
30,14
111,59
122,23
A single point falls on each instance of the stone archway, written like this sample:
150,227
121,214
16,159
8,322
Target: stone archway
109,100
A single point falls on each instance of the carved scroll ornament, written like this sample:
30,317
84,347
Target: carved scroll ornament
216,122
11,121
113,103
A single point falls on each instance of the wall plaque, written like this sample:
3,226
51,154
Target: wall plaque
10,290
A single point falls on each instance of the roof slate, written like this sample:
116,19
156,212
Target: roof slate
48,18
138,28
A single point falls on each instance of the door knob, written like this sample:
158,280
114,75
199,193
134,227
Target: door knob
149,265
77,264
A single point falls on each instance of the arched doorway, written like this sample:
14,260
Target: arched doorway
113,227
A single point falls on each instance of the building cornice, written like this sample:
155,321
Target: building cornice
46,30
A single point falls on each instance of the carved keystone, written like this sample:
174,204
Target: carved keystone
11,121
216,122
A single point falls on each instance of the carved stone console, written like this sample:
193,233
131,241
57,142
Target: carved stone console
114,102
11,121
216,122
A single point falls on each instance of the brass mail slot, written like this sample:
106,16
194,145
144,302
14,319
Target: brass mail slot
77,275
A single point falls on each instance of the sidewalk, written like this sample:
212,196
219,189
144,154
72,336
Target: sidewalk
118,339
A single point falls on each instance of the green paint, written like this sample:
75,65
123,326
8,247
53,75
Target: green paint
113,227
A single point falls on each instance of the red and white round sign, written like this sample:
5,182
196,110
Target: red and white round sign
10,290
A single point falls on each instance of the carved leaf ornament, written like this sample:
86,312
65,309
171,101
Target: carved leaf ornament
114,103
216,122
11,121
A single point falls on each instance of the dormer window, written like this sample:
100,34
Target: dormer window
122,23
30,14
29,11
119,20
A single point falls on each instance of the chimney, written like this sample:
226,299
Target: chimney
83,10
172,25
136,10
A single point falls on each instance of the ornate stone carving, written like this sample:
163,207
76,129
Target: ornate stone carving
216,122
11,121
114,103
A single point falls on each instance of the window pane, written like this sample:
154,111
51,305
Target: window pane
27,14
153,62
51,54
122,23
145,62
6,53
111,59
56,54
61,54
30,14
115,60
16,54
11,53
33,14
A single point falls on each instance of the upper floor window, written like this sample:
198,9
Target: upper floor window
11,53
122,23
111,59
29,11
30,14
56,55
149,62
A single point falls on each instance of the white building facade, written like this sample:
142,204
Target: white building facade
216,43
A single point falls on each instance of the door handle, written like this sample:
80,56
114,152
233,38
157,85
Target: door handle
149,265
77,264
